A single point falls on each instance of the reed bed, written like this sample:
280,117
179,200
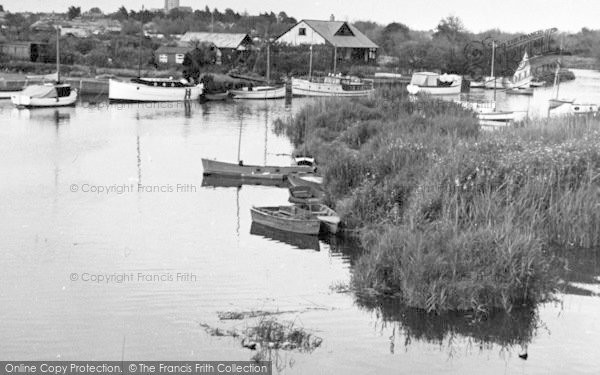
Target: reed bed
451,218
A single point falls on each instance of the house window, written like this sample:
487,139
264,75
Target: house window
162,58
302,31
179,58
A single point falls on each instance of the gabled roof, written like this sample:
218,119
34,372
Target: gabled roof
221,40
329,29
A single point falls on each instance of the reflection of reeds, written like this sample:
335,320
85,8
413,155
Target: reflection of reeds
453,219
500,328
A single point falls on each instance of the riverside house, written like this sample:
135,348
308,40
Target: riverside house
229,45
348,42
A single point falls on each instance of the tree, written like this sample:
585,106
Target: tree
451,28
1,8
73,12
95,10
203,54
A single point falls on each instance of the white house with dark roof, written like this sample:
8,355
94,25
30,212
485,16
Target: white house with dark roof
347,40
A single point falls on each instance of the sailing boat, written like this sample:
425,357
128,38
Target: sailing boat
250,172
520,82
56,94
152,89
561,106
261,92
332,85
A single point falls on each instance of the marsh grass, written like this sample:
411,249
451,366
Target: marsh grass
451,218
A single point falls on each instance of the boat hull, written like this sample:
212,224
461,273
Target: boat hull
259,93
330,220
217,96
139,92
24,101
302,87
450,90
213,167
286,218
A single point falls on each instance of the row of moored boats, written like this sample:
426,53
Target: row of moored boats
307,214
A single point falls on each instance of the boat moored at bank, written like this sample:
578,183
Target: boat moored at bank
434,84
332,85
153,90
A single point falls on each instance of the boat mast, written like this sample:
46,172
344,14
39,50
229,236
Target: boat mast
310,63
57,54
141,40
268,60
492,70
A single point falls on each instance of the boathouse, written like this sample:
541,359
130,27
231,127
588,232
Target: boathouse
348,42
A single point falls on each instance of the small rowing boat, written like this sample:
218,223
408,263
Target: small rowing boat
305,195
239,170
327,216
287,218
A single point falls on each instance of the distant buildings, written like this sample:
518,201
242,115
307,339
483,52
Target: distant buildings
78,27
27,51
171,4
171,55
229,45
349,43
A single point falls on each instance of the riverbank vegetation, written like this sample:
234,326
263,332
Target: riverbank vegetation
453,218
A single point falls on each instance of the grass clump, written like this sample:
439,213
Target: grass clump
453,219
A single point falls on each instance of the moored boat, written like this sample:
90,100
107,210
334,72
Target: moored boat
153,90
327,216
306,179
305,195
259,92
520,91
434,84
332,85
46,95
216,96
214,167
287,218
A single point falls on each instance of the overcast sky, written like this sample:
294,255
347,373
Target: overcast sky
508,15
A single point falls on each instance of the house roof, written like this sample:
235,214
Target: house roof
220,40
328,30
174,49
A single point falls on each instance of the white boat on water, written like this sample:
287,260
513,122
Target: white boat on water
46,95
259,92
434,84
522,77
567,106
332,85
153,90
56,94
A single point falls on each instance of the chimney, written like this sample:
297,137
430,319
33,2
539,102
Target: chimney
332,18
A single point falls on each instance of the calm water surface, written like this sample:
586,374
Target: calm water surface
53,238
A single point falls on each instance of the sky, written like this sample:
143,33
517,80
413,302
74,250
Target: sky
507,15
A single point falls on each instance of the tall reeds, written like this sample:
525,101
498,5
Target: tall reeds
451,218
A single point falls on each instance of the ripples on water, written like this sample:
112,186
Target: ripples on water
50,233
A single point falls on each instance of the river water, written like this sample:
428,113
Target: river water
92,268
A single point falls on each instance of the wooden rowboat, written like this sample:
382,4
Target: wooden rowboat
306,179
305,195
214,167
327,216
287,218
216,96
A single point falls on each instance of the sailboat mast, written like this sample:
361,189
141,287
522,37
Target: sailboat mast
493,53
57,54
141,40
310,63
268,61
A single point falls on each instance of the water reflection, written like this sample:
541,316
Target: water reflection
299,241
503,329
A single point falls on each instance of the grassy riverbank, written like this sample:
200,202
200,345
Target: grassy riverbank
452,218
